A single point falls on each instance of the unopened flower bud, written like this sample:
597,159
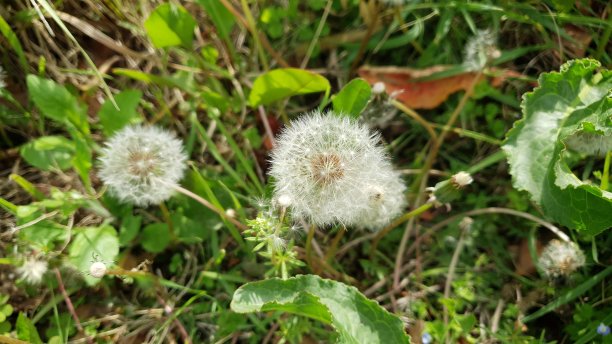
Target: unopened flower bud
378,88
97,269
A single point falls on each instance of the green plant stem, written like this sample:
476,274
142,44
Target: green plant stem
334,245
418,118
309,239
166,215
431,157
409,215
605,177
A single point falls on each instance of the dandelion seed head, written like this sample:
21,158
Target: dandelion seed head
142,164
32,271
334,171
480,49
561,258
97,269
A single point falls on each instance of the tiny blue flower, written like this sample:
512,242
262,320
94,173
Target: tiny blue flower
603,329
426,338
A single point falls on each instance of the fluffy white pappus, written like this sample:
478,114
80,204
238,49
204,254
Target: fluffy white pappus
560,258
32,271
461,179
480,49
590,143
334,171
142,164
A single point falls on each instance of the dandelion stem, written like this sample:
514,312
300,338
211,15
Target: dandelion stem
309,239
334,245
605,177
60,284
418,118
416,212
210,206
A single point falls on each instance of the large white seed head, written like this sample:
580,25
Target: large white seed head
97,269
590,143
334,171
32,271
560,258
480,49
142,164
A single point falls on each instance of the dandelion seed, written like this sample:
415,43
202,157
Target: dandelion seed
561,258
97,269
590,143
284,201
461,179
333,171
32,271
142,164
480,49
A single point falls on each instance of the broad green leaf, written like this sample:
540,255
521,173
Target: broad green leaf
356,318
353,98
48,152
170,25
155,237
55,102
222,18
26,330
113,119
283,83
92,244
130,225
568,103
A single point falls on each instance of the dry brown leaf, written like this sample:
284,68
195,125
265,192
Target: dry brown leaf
419,94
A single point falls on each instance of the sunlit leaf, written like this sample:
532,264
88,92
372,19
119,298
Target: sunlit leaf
284,83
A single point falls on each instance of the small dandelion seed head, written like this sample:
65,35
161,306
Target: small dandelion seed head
2,78
328,166
142,164
230,212
378,88
561,259
590,143
32,271
97,269
480,49
461,180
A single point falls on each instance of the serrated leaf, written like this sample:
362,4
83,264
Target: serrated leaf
48,152
284,83
93,244
170,25
353,98
113,119
563,104
356,318
55,102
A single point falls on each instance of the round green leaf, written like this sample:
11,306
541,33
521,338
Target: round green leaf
353,98
155,237
170,25
356,318
91,244
574,100
48,152
284,83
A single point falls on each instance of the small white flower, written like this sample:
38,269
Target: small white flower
142,164
378,88
461,179
32,270
560,258
590,143
230,212
334,171
97,269
480,49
